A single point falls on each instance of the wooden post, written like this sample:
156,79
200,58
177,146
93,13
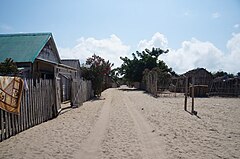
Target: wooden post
193,82
155,83
176,88
186,92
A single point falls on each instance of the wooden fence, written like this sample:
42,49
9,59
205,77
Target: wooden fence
81,92
38,105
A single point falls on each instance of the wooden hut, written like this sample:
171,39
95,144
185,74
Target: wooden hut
203,82
37,56
201,75
74,63
35,53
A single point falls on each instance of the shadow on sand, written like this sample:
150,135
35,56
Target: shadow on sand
129,89
96,99
195,114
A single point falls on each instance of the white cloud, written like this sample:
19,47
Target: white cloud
195,53
236,26
216,15
158,41
110,49
231,61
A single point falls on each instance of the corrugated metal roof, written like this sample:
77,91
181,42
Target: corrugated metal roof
22,47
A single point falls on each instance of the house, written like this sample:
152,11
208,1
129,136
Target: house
37,56
201,75
35,53
202,81
74,63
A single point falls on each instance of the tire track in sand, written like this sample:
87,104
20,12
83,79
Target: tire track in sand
153,146
90,149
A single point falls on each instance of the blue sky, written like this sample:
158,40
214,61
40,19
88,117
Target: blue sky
112,28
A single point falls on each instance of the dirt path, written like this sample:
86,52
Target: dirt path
90,147
153,146
121,132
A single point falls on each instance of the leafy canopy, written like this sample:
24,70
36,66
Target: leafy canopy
133,69
95,70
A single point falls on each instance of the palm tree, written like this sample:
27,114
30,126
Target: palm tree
8,67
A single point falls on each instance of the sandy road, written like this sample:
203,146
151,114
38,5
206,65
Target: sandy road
153,146
121,132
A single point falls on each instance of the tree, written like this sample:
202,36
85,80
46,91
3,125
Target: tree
133,69
221,74
8,67
95,70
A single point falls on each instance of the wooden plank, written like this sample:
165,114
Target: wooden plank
6,124
45,103
29,104
13,125
52,97
31,101
24,113
27,112
16,120
36,103
40,104
2,135
53,100
34,94
41,100
20,115
9,124
48,102
29,93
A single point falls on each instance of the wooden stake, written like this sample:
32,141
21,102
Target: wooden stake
186,92
193,82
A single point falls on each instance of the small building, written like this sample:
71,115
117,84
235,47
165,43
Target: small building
74,63
35,53
37,56
201,75
202,81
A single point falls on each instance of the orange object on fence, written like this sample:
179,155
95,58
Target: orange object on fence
10,93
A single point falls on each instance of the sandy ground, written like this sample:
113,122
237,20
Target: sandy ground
126,123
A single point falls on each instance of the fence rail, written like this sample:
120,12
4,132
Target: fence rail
38,105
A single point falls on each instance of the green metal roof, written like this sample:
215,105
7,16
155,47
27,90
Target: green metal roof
22,47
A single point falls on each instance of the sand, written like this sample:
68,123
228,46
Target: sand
126,123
